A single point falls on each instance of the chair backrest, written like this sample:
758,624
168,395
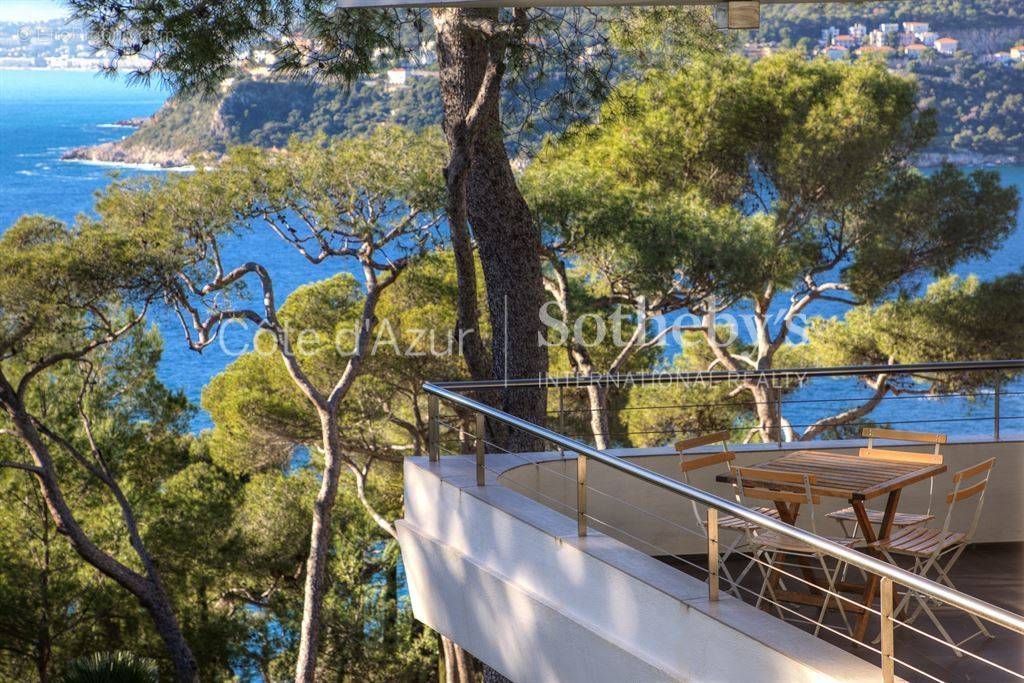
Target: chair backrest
873,433
777,487
690,464
892,455
968,483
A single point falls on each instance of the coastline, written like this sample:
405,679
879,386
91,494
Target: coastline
935,159
115,154
136,166
69,69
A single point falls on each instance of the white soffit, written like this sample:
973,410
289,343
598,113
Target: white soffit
554,3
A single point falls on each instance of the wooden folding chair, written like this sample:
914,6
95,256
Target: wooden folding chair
688,464
902,520
789,488
928,547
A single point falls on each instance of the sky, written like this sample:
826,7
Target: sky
31,10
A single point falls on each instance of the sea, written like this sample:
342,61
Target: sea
43,113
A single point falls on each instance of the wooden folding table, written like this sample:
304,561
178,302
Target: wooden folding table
857,480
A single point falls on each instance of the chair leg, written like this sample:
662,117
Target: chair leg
846,529
923,606
906,594
943,576
743,542
768,573
830,578
922,567
764,577
743,575
733,584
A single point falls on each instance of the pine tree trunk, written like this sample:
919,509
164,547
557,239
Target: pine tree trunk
319,547
43,637
148,589
448,653
507,238
600,426
767,409
160,611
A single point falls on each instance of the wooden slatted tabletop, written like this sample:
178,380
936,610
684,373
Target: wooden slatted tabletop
849,476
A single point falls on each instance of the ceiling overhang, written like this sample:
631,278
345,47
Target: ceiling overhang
733,14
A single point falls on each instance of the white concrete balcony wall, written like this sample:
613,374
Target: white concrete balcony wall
509,579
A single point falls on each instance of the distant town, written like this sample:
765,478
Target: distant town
58,44
53,44
907,40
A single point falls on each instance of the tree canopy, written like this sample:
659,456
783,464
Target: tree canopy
730,184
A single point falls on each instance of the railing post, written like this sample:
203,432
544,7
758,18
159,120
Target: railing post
581,494
433,429
712,529
481,425
778,416
995,412
885,603
561,416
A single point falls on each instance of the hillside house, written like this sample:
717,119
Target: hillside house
947,46
837,52
915,50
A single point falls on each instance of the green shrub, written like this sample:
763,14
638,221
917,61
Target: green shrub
111,667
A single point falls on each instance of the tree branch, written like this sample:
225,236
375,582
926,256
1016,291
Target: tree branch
21,466
881,387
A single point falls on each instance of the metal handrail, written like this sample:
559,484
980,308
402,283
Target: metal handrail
955,598
714,376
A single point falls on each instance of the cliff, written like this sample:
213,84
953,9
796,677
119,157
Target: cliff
265,113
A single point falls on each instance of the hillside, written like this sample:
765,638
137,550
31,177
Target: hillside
266,113
980,108
979,103
807,19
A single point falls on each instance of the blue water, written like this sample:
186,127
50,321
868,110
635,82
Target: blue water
42,113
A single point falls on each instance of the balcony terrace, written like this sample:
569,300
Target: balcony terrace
547,579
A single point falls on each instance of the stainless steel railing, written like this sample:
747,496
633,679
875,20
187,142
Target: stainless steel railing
714,376
786,377
889,574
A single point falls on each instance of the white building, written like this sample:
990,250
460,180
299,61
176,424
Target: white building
264,57
947,46
398,76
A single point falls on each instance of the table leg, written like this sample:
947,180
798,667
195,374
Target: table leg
788,513
869,537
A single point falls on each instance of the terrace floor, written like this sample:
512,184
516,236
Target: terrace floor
993,572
